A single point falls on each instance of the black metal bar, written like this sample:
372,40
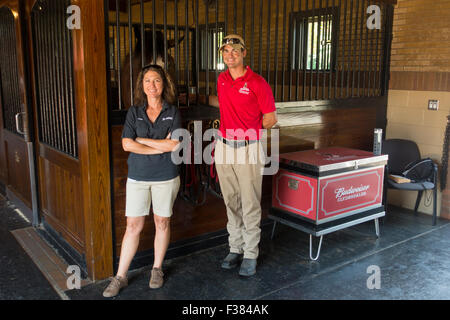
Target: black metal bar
235,16
141,9
291,63
50,74
360,46
119,68
325,50
366,49
226,17
355,49
68,86
312,46
186,50
375,73
335,56
268,44
62,23
332,46
177,62
54,80
197,60
166,61
260,39
72,92
243,19
60,26
283,64
45,78
37,79
207,50
304,53
252,35
298,48
350,41
344,59
42,129
369,75
153,31
276,51
130,53
319,21
216,54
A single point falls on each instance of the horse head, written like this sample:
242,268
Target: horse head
136,60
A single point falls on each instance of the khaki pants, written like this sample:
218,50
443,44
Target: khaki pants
241,185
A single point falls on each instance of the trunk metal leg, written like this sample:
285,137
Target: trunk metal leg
318,250
273,229
377,228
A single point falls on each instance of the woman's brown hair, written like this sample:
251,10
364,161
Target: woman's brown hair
169,92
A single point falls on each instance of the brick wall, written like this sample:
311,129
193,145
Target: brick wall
421,36
420,71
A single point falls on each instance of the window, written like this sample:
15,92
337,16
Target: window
210,42
312,39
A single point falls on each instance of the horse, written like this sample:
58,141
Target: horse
136,60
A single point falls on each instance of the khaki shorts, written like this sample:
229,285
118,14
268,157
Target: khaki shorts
141,194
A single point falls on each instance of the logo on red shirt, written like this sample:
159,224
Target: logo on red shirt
244,89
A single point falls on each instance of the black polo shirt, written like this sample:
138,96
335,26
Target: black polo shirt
155,167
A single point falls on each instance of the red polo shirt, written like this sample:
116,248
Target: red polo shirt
243,102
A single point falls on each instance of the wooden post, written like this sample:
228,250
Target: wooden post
92,126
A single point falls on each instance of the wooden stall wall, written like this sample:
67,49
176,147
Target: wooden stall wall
57,165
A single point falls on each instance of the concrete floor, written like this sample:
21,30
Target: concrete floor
413,259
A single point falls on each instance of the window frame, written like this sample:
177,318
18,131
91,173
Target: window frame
301,16
202,50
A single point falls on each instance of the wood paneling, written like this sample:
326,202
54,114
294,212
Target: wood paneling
61,195
93,140
420,81
17,166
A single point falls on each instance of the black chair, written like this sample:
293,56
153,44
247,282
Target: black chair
402,152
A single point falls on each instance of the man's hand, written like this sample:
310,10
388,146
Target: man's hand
269,120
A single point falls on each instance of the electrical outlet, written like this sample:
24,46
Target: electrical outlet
433,104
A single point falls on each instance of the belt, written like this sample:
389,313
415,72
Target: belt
237,143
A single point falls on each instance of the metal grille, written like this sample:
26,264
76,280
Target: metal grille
305,49
9,71
54,76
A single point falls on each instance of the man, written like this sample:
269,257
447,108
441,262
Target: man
246,105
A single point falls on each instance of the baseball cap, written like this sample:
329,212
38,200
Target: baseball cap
233,40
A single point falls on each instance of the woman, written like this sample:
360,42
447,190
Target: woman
152,176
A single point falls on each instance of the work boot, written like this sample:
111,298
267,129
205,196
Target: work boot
156,280
248,267
114,287
231,260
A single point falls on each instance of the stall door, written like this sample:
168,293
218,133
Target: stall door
16,148
57,159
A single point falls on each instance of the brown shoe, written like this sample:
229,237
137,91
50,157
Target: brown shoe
114,287
156,281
